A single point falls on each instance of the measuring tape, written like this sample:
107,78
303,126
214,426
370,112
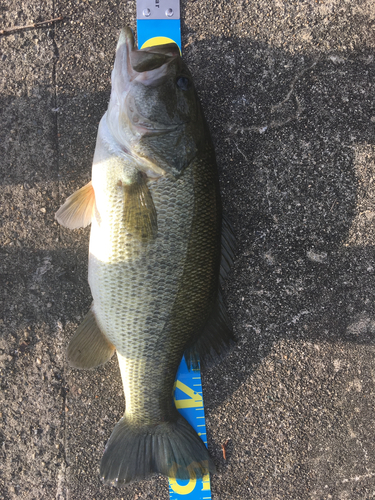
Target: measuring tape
158,23
188,398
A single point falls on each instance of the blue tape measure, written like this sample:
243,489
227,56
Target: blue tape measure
188,398
158,22
148,32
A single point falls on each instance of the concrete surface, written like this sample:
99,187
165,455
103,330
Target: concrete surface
288,89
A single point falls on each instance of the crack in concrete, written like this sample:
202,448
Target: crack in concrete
61,491
239,150
278,123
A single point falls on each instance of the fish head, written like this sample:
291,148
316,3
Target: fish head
154,111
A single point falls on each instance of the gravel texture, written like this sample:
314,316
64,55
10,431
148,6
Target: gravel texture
288,88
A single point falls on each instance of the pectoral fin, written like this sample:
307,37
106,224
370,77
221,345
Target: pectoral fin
139,210
89,347
78,209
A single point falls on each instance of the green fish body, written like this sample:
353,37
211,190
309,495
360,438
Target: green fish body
154,260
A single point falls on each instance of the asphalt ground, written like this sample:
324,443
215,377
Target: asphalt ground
288,90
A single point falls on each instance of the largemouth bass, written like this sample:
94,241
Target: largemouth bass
158,247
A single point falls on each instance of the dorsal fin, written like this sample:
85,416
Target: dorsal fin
89,347
216,338
228,248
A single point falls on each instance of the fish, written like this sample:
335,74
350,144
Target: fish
158,253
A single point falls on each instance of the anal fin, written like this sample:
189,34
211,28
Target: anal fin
89,347
78,209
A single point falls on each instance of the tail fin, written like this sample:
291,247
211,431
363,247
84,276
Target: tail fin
170,448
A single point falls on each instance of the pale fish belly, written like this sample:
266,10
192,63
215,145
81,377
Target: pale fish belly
134,285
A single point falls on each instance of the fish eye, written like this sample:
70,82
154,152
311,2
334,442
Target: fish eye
183,83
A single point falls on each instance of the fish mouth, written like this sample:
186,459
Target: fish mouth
146,65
